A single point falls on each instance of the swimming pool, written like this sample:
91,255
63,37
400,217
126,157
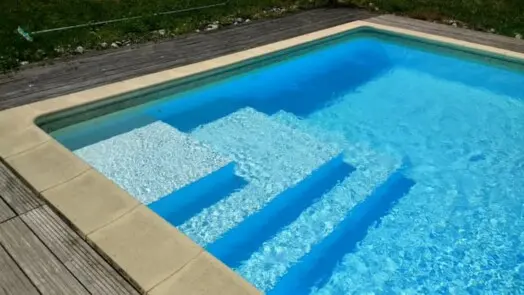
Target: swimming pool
364,163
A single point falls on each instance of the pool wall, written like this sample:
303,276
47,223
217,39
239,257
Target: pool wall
136,240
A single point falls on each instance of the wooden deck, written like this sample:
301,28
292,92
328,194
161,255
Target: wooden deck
39,252
451,32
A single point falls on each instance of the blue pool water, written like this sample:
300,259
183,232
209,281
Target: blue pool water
366,166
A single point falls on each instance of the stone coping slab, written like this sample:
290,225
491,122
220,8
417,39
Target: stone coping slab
154,255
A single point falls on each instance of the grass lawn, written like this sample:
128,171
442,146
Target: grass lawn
35,15
504,16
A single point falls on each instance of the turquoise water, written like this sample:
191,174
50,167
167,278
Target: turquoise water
363,167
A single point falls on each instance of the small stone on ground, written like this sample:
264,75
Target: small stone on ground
212,27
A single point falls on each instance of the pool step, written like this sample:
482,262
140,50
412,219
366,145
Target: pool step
240,242
277,161
314,268
156,160
182,204
360,155
322,221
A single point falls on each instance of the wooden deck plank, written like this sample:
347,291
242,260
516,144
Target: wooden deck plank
90,71
97,276
15,192
5,212
451,32
12,279
36,261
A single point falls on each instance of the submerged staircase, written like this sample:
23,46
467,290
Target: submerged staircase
280,164
349,210
289,259
276,198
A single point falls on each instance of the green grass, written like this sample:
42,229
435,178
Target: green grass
505,16
34,15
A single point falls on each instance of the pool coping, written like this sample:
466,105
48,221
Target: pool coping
107,216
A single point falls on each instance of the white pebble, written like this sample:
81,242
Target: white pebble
211,27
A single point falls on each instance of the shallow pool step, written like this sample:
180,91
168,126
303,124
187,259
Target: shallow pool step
182,204
240,242
155,160
360,155
272,157
313,227
315,268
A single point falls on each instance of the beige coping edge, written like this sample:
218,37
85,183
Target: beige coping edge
135,239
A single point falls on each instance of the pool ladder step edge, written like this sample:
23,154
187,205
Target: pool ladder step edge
236,239
179,205
350,231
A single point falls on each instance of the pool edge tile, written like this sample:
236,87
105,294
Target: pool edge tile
144,246
16,119
288,43
18,141
446,40
152,79
205,275
104,92
47,165
18,132
56,104
81,98
90,201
